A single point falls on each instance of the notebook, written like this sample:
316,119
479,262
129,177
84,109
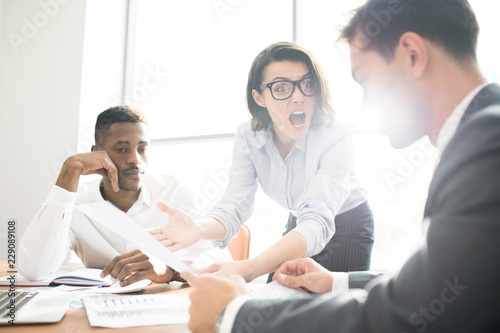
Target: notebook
80,277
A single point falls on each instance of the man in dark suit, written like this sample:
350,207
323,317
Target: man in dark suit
416,61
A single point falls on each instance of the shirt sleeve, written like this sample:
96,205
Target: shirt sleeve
230,314
326,192
340,282
236,205
47,239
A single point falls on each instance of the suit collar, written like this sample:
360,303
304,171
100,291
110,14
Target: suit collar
487,96
479,98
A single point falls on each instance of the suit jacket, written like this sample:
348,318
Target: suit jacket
452,283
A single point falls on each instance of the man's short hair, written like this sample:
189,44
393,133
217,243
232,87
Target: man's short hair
450,24
116,114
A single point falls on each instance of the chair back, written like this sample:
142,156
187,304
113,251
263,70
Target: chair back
240,245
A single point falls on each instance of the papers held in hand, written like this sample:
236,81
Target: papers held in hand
125,227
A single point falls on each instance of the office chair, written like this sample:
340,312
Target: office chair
240,245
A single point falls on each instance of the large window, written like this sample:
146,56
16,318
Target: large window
203,50
187,67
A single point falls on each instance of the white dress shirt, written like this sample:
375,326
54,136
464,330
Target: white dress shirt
316,181
341,279
450,126
58,227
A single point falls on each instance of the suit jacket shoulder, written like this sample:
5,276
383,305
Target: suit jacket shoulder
470,161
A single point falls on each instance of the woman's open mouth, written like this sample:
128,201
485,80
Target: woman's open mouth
298,118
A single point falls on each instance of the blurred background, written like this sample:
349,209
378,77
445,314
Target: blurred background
185,65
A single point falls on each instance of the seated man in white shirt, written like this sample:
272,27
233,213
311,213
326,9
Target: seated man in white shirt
120,155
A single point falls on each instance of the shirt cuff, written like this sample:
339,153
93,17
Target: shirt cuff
311,230
60,198
340,282
232,310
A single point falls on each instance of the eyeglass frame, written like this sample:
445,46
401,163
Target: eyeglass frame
294,84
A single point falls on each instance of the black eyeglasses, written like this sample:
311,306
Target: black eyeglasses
281,90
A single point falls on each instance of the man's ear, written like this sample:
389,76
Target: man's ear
258,98
94,148
414,52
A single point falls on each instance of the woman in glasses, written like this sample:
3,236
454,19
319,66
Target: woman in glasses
303,159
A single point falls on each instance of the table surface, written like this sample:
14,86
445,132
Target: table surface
75,320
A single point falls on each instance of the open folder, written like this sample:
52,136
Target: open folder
80,277
122,225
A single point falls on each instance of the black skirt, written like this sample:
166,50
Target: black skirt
350,248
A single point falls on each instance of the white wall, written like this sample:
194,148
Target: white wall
39,101
49,90
1,16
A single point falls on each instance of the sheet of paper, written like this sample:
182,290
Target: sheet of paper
275,290
121,224
142,310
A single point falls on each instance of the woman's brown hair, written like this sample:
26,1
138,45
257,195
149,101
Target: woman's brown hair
285,51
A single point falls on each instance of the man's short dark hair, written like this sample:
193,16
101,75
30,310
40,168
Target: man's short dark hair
450,24
116,114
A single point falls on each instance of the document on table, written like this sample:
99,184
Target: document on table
121,224
275,290
142,310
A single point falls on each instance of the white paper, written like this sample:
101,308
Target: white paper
275,290
121,224
142,310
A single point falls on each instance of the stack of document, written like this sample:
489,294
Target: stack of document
142,310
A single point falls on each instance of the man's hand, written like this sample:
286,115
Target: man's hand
212,293
179,232
305,273
96,162
136,265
